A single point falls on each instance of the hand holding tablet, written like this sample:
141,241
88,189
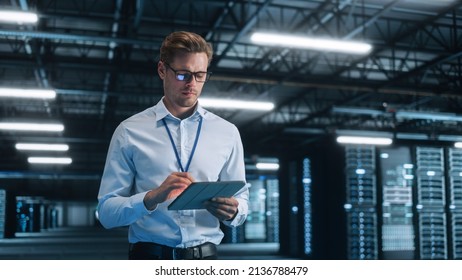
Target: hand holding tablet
199,192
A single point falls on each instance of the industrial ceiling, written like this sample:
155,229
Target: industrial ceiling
101,56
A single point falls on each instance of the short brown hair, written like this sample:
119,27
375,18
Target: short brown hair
183,41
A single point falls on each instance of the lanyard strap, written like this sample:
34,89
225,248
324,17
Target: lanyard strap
199,126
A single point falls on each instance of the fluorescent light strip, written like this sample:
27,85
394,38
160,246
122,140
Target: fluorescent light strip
236,104
31,127
364,133
458,145
319,44
28,93
364,140
18,17
357,111
267,166
41,147
435,116
49,160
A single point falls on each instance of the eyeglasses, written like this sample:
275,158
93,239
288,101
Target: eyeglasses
186,76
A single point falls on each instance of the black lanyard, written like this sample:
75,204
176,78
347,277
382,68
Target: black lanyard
199,126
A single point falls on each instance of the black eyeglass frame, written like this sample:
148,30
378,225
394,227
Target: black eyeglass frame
187,75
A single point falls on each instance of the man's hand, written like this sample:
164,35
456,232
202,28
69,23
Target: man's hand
224,208
172,187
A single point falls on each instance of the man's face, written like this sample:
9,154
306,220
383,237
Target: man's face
181,96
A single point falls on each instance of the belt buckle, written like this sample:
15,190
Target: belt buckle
193,253
177,254
196,253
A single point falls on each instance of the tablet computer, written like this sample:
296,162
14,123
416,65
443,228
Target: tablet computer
197,193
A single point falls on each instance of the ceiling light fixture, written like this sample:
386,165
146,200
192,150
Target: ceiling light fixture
412,136
334,45
236,104
41,147
19,17
49,160
449,138
412,115
31,126
357,111
364,133
28,93
364,140
434,116
458,145
267,166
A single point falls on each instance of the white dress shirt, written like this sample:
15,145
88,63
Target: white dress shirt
141,156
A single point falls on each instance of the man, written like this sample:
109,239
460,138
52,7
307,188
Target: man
156,154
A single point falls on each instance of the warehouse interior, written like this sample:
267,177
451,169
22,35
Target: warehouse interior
323,198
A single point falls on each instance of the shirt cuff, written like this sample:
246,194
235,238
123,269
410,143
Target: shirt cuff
238,219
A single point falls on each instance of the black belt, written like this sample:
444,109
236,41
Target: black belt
148,250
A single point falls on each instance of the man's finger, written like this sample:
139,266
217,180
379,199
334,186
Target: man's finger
185,175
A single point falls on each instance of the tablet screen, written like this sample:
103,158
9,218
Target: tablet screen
198,192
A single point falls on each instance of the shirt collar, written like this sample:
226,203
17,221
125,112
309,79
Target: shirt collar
162,112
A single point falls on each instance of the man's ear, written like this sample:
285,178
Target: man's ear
161,70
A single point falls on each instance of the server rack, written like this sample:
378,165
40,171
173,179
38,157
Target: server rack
431,203
455,200
425,223
255,225
29,214
233,234
361,197
397,177
307,209
2,213
272,213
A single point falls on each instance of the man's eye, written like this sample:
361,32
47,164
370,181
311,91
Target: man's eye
183,76
200,75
